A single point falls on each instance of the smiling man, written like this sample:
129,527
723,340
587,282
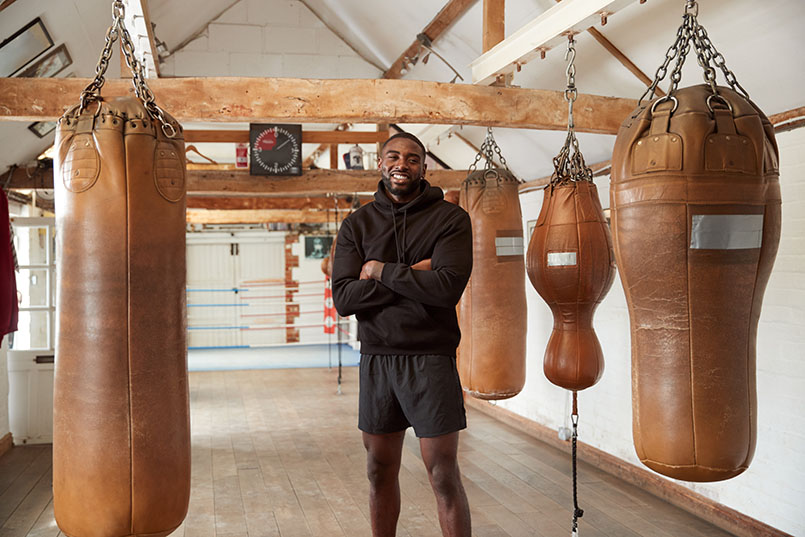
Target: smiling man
401,265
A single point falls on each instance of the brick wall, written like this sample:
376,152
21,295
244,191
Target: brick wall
268,38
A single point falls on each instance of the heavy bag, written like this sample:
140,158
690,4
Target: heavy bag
492,310
696,223
571,265
121,430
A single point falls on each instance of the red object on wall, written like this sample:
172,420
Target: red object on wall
329,309
9,309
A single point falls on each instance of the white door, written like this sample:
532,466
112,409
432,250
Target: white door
235,289
31,354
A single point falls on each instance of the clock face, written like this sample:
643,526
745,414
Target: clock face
275,149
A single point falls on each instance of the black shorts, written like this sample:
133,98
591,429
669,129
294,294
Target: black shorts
400,391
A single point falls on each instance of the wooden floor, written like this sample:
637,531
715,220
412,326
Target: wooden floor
277,453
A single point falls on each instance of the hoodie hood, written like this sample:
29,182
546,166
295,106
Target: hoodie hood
428,195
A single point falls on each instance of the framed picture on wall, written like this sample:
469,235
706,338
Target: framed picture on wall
318,246
24,46
42,128
49,65
529,231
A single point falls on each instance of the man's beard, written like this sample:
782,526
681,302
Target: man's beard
413,186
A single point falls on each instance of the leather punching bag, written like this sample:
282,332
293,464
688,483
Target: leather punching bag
121,430
696,224
571,265
492,310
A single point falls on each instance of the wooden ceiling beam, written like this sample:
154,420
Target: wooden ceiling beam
788,115
312,182
261,203
323,146
308,137
494,26
227,182
329,101
625,61
542,33
291,216
435,28
6,3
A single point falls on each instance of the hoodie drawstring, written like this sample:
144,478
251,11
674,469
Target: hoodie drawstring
400,248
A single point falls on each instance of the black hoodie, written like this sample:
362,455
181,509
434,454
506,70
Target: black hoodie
408,311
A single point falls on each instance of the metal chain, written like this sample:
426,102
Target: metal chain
691,32
488,150
569,164
720,62
92,92
577,511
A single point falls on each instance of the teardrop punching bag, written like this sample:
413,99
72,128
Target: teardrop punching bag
571,265
492,310
696,224
121,430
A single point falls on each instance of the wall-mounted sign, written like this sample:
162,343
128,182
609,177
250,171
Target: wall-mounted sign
275,149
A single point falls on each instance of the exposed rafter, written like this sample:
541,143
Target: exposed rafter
329,101
292,216
308,137
440,23
621,57
542,33
252,202
217,182
494,23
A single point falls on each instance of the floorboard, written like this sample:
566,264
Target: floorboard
276,453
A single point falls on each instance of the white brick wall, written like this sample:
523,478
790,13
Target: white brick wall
268,38
772,490
235,38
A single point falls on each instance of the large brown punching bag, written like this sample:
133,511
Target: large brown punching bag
492,310
696,224
121,428
571,265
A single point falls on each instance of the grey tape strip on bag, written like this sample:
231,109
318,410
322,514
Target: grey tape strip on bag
509,246
561,259
726,231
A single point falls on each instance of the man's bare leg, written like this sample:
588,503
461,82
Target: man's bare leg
383,455
440,454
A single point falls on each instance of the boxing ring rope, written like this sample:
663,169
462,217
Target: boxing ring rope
276,296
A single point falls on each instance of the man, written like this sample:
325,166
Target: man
401,264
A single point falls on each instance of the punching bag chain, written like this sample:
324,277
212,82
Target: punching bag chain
92,92
569,164
691,32
488,150
577,512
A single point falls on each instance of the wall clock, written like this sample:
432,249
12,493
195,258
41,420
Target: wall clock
275,149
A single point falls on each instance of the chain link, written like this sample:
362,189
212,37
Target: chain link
569,164
489,148
691,32
92,92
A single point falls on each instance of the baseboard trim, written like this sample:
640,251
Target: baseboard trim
720,515
6,443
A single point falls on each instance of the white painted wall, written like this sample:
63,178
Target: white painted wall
272,38
772,490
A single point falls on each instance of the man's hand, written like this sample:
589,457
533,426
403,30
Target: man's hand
422,265
371,270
